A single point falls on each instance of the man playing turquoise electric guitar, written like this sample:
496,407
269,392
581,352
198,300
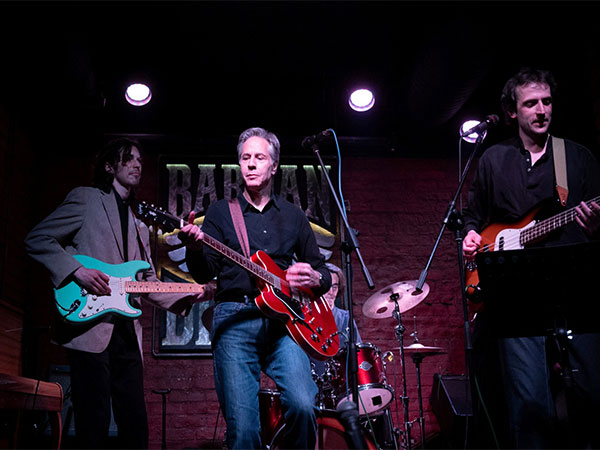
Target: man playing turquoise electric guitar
92,245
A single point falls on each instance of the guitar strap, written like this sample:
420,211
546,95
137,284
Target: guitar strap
239,225
560,169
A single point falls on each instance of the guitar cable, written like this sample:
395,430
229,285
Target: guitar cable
72,309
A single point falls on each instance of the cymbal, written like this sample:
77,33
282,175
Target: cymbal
381,306
417,347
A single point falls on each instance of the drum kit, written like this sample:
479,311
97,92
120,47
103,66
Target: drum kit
374,392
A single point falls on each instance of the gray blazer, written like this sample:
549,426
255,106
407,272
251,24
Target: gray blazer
88,223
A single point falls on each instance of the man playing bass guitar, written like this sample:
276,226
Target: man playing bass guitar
513,177
244,340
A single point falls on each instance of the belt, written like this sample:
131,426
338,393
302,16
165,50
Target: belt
244,299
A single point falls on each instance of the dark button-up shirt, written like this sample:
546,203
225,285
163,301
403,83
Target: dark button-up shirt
507,187
281,230
123,206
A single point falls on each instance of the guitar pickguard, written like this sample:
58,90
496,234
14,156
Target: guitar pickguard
510,238
117,301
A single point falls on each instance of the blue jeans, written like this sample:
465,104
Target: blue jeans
531,412
531,408
244,342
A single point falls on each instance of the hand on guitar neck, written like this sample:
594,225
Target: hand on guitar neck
190,234
588,218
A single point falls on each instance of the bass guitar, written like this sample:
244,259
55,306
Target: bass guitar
77,305
309,320
515,236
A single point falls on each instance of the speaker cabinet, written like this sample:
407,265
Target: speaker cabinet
451,403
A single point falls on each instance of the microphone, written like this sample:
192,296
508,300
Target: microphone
309,141
348,415
490,120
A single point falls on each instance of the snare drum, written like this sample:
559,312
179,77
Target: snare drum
374,391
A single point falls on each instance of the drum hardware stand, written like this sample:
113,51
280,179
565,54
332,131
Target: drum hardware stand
417,359
400,329
395,432
329,374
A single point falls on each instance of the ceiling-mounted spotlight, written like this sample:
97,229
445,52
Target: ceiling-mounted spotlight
138,94
361,100
468,125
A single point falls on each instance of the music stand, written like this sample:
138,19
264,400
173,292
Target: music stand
532,292
542,292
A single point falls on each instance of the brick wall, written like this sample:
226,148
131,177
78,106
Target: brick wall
397,205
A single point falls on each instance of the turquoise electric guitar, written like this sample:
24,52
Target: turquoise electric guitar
77,305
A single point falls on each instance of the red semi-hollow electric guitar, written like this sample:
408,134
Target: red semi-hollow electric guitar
309,320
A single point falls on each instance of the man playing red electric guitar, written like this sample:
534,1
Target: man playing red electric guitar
244,340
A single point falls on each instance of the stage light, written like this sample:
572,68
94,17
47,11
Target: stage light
138,94
471,138
361,100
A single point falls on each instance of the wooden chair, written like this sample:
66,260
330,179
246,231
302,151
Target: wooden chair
24,394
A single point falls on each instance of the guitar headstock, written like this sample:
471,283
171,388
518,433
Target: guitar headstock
158,216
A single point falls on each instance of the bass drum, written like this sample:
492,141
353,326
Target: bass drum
330,434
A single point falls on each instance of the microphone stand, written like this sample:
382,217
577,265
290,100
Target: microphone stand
454,221
349,244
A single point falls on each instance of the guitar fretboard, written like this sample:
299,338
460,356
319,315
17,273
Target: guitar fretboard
244,262
165,219
145,287
546,226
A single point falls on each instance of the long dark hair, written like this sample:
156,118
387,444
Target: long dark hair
114,152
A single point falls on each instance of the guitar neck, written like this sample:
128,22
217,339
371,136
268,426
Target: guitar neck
551,224
147,287
243,262
167,220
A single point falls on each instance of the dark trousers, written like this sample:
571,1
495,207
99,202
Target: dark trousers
530,398
117,374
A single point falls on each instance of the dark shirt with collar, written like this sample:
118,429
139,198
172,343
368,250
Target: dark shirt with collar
506,187
281,230
123,206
